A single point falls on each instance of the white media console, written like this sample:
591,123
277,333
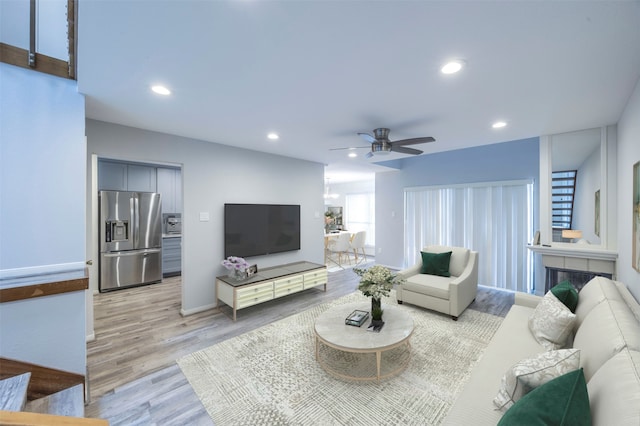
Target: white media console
269,283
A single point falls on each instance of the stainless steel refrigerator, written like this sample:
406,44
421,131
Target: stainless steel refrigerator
130,239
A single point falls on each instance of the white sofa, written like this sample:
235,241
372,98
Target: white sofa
449,295
607,332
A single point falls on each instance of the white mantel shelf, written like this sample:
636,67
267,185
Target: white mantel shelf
578,257
575,250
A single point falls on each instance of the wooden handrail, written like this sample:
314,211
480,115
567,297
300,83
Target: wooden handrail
24,418
57,286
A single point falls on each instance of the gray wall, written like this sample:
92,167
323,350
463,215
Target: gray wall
42,215
213,175
628,154
504,161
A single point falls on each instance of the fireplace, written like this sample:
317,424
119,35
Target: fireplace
577,263
578,279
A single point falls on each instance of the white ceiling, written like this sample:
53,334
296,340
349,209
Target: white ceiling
317,72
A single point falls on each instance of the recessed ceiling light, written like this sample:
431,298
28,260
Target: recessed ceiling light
499,124
353,154
452,67
273,136
161,90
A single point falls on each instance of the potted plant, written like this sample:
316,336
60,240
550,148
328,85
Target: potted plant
376,282
237,267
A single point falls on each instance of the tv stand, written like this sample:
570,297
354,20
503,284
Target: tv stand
269,283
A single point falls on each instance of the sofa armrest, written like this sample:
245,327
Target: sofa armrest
464,288
526,299
411,271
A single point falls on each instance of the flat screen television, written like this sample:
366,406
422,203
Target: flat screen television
260,229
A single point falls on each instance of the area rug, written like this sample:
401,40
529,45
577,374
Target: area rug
269,376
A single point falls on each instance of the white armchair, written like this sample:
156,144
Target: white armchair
449,295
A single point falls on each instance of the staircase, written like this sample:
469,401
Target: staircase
34,395
563,189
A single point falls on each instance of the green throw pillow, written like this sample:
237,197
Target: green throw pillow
565,293
562,401
436,263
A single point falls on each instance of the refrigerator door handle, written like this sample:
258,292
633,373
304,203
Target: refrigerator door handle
135,218
131,253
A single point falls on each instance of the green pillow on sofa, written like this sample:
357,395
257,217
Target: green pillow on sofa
562,401
565,293
436,263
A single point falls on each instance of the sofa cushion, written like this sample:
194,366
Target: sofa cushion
608,328
561,401
533,372
552,322
594,292
430,285
567,294
436,263
629,300
614,390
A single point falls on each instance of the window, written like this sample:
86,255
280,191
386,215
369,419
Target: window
360,215
494,219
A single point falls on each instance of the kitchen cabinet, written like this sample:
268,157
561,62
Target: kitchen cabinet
171,256
112,176
141,178
120,176
170,186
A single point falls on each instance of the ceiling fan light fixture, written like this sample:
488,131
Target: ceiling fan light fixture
452,67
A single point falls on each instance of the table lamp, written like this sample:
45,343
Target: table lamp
571,234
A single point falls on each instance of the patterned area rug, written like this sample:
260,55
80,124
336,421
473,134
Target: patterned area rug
269,376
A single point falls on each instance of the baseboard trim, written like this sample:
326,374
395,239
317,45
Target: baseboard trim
186,312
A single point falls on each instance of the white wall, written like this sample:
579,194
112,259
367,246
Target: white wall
42,214
213,175
628,154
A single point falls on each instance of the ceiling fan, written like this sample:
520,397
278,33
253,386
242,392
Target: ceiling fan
381,145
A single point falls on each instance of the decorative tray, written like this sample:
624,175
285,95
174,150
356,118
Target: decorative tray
356,318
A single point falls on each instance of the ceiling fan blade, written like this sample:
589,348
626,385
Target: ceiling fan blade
367,137
413,141
403,150
349,147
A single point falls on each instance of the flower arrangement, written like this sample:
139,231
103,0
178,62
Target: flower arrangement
376,281
234,263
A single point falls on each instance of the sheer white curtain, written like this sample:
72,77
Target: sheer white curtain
493,218
360,215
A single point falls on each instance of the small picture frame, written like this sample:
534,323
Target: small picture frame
252,270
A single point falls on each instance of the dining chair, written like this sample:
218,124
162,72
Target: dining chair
357,245
339,247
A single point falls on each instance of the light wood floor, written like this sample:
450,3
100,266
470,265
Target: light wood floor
133,376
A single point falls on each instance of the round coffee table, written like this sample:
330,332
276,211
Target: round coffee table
330,330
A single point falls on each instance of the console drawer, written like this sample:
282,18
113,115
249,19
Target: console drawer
315,278
288,286
255,294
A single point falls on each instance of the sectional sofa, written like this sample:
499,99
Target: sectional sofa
543,348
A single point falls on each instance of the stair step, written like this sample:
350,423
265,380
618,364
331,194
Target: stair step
67,402
13,392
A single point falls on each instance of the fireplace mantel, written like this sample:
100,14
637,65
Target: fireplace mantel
577,257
